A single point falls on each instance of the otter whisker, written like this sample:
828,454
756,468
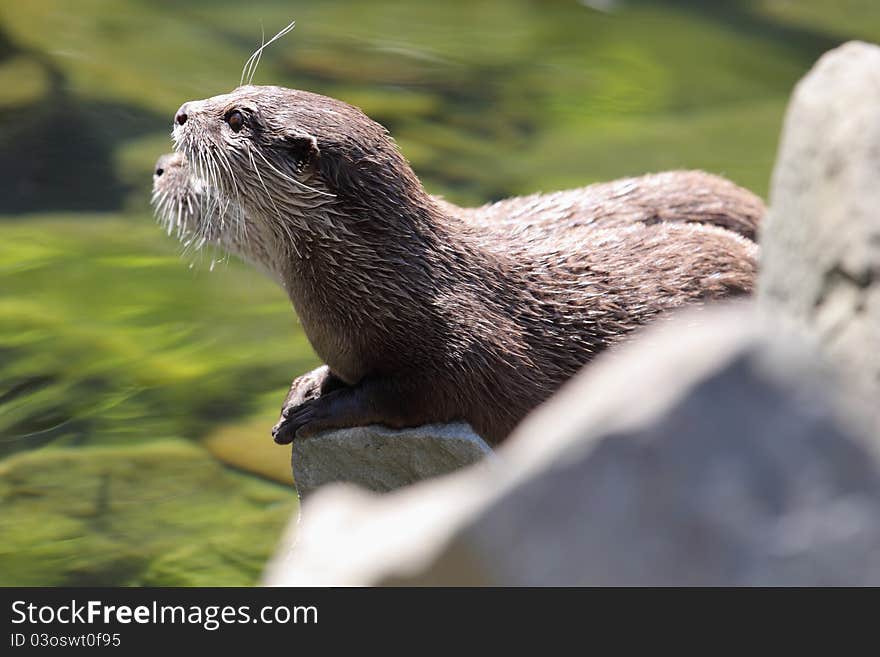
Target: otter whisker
256,63
294,180
212,172
179,222
245,72
213,202
250,66
240,226
282,224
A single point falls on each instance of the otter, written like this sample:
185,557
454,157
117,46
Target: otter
423,311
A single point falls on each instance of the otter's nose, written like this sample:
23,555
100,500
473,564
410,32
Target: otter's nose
181,117
163,163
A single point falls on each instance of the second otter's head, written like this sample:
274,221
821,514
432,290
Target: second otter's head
299,165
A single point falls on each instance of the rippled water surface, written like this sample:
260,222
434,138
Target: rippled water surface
137,385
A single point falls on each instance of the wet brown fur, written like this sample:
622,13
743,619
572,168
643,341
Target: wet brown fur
427,312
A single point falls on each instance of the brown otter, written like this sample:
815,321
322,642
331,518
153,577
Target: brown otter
424,311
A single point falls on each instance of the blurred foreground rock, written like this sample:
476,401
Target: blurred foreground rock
383,459
711,460
732,446
821,240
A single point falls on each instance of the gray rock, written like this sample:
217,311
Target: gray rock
698,455
821,240
381,459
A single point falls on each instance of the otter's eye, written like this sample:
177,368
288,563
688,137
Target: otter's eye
235,119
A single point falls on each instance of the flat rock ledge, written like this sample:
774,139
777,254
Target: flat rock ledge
381,459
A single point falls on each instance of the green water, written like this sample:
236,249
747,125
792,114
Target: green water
137,386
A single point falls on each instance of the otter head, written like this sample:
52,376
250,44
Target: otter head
297,167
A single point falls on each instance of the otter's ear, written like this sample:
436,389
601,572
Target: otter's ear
303,148
305,151
336,170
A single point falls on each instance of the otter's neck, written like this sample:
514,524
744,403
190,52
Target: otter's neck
395,267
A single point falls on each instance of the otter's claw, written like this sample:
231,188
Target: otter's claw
299,406
293,418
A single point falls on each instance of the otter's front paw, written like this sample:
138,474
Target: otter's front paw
310,417
303,392
292,419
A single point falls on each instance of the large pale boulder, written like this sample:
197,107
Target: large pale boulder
382,459
700,454
821,240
